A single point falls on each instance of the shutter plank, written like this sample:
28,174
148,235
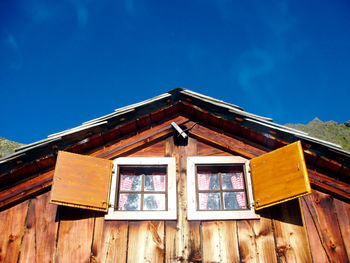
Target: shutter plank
81,181
279,176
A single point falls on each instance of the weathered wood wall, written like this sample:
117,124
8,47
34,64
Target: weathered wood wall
36,231
327,221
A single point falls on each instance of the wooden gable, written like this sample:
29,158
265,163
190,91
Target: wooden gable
277,176
82,235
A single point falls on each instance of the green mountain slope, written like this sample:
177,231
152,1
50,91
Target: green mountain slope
329,131
7,147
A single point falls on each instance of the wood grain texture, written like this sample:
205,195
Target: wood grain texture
194,241
153,150
12,223
28,248
246,239
279,175
264,237
336,187
204,149
317,249
26,188
223,141
186,235
81,181
129,144
110,241
290,235
146,241
74,235
170,242
220,241
256,239
39,239
322,210
343,215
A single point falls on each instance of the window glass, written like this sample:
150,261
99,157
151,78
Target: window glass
142,188
129,202
220,187
154,202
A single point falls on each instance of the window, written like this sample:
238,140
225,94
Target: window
143,188
219,187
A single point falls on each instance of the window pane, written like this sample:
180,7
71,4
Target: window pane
232,180
130,183
129,202
234,200
155,183
208,182
209,201
154,202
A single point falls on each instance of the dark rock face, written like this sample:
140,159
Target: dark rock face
347,123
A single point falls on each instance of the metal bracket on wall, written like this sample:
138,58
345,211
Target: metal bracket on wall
179,130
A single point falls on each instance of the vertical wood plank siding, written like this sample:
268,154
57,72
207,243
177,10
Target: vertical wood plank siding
74,235
219,240
325,217
256,236
184,234
11,231
110,240
39,238
146,242
36,231
343,214
290,236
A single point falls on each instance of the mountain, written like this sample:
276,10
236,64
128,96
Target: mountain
331,131
7,147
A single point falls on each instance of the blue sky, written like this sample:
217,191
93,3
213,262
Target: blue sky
69,61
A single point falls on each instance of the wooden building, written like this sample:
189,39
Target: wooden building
181,177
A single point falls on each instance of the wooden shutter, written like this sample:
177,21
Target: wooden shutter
81,181
279,176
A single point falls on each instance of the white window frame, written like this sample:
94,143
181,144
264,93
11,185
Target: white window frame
170,214
193,213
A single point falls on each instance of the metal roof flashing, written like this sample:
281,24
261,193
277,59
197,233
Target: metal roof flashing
175,95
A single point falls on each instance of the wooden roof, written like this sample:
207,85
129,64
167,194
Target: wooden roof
227,119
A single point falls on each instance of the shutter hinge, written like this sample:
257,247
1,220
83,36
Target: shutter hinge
254,204
249,170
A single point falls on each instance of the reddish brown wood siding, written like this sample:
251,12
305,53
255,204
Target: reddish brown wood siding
37,229
327,223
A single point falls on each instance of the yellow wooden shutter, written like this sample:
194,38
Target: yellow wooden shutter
81,181
279,176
